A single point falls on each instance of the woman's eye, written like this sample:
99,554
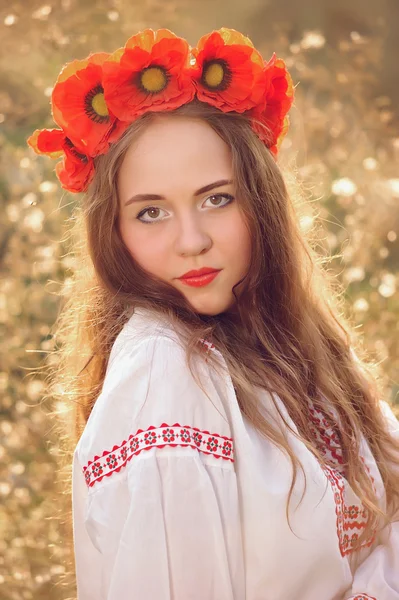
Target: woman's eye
229,197
151,209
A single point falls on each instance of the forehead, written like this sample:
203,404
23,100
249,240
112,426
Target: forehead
174,153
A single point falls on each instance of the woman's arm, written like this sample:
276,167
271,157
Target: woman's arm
156,514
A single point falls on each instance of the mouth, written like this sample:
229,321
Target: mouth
201,280
199,273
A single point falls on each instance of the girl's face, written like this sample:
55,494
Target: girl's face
179,212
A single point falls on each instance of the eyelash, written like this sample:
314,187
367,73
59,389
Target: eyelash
142,212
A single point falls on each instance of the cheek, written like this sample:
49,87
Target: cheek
126,234
238,238
145,248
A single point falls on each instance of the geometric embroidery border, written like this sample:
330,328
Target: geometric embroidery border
112,461
349,518
325,433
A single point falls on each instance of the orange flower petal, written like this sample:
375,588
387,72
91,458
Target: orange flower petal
147,38
47,141
74,66
284,130
280,87
230,37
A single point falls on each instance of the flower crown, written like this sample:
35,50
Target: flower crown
94,100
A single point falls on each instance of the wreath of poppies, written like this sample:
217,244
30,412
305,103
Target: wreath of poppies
94,100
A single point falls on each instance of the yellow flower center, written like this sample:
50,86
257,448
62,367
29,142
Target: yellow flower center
95,106
99,106
153,79
214,74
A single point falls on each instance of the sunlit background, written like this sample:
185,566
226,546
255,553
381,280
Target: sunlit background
343,147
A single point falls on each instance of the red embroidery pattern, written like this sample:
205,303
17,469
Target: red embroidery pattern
326,436
369,472
362,597
351,518
112,461
207,347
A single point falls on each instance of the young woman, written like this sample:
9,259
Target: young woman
230,444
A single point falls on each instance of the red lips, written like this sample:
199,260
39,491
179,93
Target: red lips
199,272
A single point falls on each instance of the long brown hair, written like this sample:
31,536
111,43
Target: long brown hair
287,334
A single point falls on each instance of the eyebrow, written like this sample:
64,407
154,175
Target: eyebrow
203,190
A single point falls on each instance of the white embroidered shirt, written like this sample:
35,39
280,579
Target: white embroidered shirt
177,497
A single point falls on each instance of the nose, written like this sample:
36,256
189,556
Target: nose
192,237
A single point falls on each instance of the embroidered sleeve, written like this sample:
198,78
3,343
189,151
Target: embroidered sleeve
110,462
377,578
170,530
155,498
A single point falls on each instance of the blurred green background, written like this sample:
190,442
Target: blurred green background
343,148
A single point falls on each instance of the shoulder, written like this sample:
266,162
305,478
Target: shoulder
145,326
150,399
146,337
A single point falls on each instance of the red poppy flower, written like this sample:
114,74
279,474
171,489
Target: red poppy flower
151,73
79,107
270,121
76,170
229,71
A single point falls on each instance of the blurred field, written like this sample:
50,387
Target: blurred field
343,147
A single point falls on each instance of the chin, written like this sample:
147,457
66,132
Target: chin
211,309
